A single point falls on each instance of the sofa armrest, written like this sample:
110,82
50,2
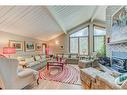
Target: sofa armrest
106,82
124,85
26,72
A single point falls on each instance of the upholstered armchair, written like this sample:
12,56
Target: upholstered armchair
13,78
72,59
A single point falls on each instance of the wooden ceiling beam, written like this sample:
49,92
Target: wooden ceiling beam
94,14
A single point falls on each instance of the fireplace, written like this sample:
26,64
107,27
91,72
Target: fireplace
119,61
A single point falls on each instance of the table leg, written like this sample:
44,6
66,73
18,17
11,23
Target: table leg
62,67
47,66
38,81
90,84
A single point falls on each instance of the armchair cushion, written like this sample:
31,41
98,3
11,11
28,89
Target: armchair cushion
120,80
124,85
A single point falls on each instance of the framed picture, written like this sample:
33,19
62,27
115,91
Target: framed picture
38,46
16,44
29,46
119,25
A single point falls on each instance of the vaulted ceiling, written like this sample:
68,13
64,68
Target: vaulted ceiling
46,22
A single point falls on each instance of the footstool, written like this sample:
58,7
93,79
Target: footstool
85,63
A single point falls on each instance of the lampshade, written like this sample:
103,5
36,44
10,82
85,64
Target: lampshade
9,50
49,51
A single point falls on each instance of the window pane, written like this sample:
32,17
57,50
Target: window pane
79,41
98,43
99,31
99,40
74,45
82,32
83,45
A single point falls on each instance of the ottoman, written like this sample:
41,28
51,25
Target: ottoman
85,63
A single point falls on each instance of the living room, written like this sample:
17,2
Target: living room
63,47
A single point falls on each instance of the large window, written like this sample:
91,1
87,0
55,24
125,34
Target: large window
99,40
79,41
74,45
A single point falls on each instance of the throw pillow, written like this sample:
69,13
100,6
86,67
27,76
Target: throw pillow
121,79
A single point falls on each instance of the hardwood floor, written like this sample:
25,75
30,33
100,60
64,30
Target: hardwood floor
45,84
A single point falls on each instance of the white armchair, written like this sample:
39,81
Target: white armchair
13,79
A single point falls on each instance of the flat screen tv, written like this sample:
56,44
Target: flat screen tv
119,25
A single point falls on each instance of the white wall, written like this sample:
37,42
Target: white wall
5,37
62,41
64,38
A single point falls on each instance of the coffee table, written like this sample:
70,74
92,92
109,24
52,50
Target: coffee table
54,63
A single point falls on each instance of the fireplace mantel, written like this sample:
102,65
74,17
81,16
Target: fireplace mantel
117,42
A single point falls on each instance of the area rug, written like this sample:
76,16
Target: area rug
70,74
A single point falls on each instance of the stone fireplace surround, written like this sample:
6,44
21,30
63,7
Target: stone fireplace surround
117,52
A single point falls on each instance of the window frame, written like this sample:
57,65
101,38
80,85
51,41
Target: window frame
79,39
98,36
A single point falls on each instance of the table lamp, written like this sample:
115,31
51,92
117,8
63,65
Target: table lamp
9,50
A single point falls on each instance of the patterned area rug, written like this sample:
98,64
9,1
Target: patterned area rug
70,74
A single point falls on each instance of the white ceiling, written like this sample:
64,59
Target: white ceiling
46,22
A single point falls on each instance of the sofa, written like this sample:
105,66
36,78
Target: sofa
35,62
11,77
88,63
71,58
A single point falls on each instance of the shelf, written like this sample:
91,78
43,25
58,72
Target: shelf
117,42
